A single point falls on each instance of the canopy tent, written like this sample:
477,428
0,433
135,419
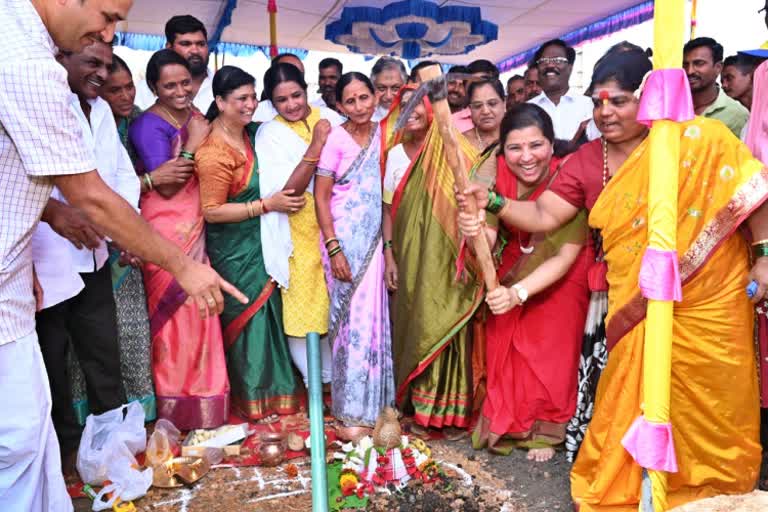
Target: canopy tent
241,27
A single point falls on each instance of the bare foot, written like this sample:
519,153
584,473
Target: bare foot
268,420
541,454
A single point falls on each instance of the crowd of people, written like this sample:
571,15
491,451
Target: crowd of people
331,217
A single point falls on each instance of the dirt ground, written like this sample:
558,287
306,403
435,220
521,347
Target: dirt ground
478,481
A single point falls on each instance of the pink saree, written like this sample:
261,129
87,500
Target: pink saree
188,361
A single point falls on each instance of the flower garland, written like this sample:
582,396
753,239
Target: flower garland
367,468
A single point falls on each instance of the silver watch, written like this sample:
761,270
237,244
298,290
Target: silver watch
522,293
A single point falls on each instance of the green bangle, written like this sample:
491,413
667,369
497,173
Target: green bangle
187,155
333,252
491,200
760,250
388,244
495,202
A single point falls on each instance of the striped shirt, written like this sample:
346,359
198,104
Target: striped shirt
39,137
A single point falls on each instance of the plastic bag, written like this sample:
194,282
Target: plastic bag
128,483
107,451
163,443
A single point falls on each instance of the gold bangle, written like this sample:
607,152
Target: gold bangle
248,210
259,209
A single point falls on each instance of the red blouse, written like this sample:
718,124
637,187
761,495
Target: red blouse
580,180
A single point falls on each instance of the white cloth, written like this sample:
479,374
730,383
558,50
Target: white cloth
279,150
568,114
54,266
145,98
39,137
319,103
379,114
592,131
58,263
397,163
265,111
298,349
30,464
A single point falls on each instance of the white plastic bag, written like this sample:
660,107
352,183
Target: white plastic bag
109,444
128,483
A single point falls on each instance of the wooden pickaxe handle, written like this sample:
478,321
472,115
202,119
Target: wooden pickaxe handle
442,116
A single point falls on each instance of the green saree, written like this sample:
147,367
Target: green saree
258,361
432,335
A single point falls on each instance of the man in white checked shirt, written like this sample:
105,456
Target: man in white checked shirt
40,146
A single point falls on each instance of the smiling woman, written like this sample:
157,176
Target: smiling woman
487,106
191,382
348,204
258,360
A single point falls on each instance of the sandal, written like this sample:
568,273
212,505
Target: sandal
454,434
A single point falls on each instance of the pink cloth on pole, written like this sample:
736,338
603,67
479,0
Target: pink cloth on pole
660,275
666,95
651,445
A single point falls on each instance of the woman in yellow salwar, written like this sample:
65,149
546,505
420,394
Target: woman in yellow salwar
289,148
714,400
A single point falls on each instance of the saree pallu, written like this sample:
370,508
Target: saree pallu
432,336
258,361
533,349
188,364
358,325
714,398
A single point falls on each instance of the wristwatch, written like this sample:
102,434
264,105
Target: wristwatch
522,293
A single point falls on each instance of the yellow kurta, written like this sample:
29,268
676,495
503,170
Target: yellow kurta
305,303
714,395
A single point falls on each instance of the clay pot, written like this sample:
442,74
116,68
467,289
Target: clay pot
272,449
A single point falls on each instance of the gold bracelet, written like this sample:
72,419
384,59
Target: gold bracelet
248,209
259,208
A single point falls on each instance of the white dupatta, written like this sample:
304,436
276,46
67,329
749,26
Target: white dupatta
279,150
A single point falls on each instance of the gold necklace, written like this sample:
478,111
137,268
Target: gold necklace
479,138
606,175
233,139
174,122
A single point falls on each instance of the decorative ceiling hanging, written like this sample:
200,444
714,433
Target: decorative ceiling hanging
411,29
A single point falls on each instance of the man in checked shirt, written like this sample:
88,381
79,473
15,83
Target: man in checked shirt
40,146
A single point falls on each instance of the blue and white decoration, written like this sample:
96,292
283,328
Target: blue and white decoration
412,29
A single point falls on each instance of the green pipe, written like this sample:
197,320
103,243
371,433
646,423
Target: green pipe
316,425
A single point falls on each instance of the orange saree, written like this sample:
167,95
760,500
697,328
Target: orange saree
714,395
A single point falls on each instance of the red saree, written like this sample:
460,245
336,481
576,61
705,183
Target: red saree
533,350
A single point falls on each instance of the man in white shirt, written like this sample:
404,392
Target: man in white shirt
41,146
329,73
570,112
85,316
388,76
187,36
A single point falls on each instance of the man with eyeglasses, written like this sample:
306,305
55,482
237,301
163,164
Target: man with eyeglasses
570,112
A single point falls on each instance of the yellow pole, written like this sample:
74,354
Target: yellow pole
693,18
669,26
